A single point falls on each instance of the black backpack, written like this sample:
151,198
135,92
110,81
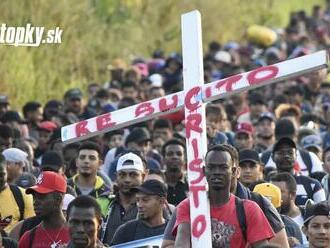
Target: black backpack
240,212
19,199
306,157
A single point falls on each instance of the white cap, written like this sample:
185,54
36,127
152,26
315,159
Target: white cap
156,80
66,201
136,165
14,155
223,56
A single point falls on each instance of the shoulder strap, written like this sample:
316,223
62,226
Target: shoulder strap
241,215
19,199
265,156
32,235
306,157
257,198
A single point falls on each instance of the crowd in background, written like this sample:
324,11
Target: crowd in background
132,179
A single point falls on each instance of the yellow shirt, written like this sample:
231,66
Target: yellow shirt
8,207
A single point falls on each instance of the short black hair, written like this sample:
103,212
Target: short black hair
128,84
71,146
85,201
89,145
6,131
287,178
30,107
225,148
215,109
162,123
172,142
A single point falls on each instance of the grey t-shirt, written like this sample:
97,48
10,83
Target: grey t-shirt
134,230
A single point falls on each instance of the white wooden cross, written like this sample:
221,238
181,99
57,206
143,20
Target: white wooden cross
193,99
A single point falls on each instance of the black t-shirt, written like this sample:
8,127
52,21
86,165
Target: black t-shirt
135,230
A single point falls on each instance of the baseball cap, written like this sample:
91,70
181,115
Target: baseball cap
4,99
51,160
74,93
130,161
319,209
48,182
152,187
282,141
14,155
270,191
48,126
244,127
249,155
312,141
138,135
266,115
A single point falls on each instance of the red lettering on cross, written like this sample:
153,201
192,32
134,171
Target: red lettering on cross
81,128
104,121
187,100
198,226
269,71
193,123
144,108
195,166
208,91
164,106
228,82
194,189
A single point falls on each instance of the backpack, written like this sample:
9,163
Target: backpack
32,235
305,156
19,199
240,212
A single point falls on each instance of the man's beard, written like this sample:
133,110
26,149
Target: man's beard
285,209
85,174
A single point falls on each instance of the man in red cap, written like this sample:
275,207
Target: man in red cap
48,196
244,136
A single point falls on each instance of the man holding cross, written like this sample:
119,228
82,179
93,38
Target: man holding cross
221,165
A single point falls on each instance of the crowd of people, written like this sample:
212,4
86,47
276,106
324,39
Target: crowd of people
267,164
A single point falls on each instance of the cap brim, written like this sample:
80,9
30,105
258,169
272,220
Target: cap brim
249,160
142,190
245,132
38,189
266,117
313,146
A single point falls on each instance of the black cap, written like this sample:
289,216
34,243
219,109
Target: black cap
138,135
266,115
249,155
51,160
73,94
152,187
11,116
284,128
319,209
286,141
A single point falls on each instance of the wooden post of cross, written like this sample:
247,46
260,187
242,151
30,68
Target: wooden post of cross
195,124
192,98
